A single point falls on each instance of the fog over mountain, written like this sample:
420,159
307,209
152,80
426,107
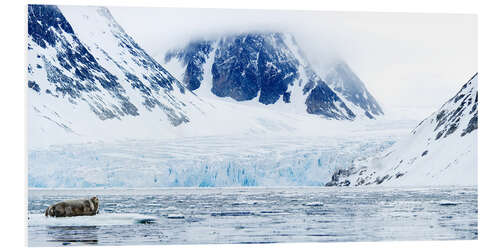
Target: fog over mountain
395,54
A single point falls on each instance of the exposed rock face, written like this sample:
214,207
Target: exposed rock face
249,63
338,178
323,100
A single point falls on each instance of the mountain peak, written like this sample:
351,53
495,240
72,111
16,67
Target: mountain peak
268,67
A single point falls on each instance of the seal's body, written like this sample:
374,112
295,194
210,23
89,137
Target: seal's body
74,208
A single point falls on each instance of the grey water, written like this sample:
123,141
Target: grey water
256,215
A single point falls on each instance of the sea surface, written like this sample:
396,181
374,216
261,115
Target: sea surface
256,215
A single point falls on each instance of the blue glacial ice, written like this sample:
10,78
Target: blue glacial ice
199,162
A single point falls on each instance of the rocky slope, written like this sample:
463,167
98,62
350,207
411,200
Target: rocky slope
85,73
441,150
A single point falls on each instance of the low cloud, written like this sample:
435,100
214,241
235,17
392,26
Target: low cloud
404,59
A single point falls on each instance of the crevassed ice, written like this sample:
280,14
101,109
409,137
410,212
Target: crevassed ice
201,161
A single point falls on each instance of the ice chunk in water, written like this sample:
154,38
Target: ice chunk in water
314,204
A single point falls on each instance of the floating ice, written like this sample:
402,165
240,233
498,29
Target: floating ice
314,204
102,219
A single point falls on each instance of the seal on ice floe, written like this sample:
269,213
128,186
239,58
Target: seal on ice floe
74,208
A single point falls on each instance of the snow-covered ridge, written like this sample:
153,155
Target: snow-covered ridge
340,77
88,78
441,150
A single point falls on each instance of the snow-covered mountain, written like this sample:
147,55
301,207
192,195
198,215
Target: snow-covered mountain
441,150
341,79
86,74
89,80
269,68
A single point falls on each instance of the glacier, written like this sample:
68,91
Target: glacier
199,161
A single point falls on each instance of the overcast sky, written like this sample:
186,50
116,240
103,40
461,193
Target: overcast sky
404,59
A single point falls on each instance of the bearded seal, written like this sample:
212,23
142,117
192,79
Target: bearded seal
74,208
